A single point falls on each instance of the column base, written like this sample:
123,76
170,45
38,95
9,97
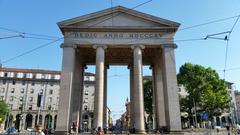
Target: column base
140,132
175,132
61,133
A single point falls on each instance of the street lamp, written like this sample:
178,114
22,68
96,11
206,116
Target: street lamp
49,110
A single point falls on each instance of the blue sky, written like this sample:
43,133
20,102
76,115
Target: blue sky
40,17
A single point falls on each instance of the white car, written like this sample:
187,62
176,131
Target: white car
31,129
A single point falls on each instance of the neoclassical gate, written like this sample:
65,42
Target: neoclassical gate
119,36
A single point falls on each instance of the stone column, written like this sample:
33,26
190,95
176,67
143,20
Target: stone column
105,120
158,86
66,88
139,123
130,67
77,92
171,98
99,87
81,95
153,100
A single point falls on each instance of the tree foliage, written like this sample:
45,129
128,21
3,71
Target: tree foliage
205,87
148,94
3,111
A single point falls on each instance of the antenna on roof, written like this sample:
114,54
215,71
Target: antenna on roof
0,63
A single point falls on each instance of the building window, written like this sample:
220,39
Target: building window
32,91
21,99
5,74
3,90
29,107
86,92
51,84
24,75
20,107
50,99
10,106
85,108
41,91
87,86
1,98
50,92
13,82
52,76
34,76
43,76
23,82
15,75
22,90
86,100
33,83
30,99
12,90
4,82
11,98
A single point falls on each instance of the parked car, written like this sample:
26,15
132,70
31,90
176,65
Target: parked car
51,131
31,129
11,130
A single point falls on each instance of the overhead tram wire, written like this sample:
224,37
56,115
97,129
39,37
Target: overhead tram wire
29,51
27,33
115,16
15,36
49,43
227,44
210,22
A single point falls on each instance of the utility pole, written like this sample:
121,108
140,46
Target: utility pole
195,111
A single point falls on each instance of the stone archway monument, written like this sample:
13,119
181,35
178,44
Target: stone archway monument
119,36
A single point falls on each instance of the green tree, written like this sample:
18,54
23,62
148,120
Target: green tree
205,88
3,111
148,95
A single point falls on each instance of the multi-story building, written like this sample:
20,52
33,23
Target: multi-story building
20,89
237,98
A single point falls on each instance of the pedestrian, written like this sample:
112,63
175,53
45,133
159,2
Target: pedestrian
39,130
100,132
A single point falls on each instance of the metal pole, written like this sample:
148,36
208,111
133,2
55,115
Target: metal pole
7,126
195,111
38,115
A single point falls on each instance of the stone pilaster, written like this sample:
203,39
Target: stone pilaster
154,124
158,87
105,119
66,88
99,87
81,101
171,98
139,123
130,67
77,91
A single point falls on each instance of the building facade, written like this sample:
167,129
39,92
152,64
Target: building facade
20,89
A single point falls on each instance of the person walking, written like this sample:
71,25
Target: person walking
39,130
100,132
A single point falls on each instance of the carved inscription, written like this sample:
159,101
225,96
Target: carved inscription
115,35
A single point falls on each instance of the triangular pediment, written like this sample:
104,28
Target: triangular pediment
118,17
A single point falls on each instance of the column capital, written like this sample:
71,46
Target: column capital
151,66
137,46
99,45
106,66
172,45
130,66
63,45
